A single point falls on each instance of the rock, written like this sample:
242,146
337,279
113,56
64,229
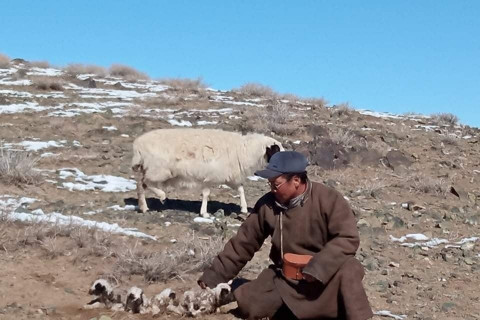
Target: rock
396,159
118,85
104,317
327,154
468,246
469,261
447,306
382,286
472,197
363,223
330,183
371,264
68,290
473,220
220,213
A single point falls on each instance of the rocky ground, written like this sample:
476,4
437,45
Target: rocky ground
68,207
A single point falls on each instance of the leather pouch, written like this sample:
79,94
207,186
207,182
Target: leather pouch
293,265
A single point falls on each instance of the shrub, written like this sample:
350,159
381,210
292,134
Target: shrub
126,72
18,168
290,97
343,109
256,90
317,102
445,119
190,255
342,137
185,84
47,83
76,69
4,61
277,119
39,64
427,184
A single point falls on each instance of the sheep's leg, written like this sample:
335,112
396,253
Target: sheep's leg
203,209
142,202
159,193
243,201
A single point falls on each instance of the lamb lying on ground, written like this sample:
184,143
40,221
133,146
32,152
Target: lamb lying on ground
106,297
198,159
192,303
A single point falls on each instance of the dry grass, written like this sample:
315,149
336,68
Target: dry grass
20,74
48,83
427,184
4,61
18,168
343,137
290,97
39,64
450,140
190,255
185,84
256,90
343,109
317,102
277,120
126,72
77,68
445,119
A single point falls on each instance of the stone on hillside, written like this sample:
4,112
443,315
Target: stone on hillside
396,159
473,220
447,306
327,154
390,139
220,213
90,83
118,85
468,246
316,131
363,223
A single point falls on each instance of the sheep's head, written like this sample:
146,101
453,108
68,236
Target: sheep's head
102,288
135,299
271,150
223,294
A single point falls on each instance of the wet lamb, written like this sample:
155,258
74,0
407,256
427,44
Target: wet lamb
106,297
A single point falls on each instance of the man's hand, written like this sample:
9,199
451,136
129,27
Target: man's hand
202,284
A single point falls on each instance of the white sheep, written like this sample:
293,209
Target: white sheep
105,295
198,158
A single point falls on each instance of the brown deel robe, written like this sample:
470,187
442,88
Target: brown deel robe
324,226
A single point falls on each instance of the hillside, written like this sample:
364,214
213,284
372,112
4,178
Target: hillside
68,200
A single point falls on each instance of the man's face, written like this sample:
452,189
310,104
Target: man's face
284,189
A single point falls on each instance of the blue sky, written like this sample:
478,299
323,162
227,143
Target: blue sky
395,56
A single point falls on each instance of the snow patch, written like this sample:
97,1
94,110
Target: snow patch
104,183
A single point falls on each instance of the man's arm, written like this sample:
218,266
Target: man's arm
343,239
237,252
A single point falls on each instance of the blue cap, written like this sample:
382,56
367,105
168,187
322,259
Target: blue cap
284,162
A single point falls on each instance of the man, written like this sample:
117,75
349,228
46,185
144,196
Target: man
305,218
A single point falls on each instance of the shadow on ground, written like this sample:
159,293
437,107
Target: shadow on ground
155,204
